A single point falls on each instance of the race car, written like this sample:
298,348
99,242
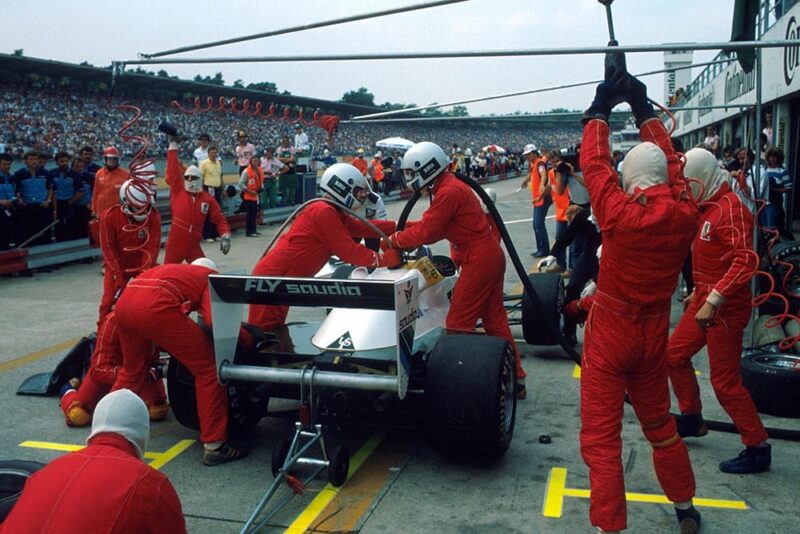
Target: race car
382,344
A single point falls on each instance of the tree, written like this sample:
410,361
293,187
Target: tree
215,80
458,111
390,106
361,97
19,52
238,84
267,87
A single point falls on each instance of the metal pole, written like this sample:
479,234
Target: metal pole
277,375
564,51
520,93
293,29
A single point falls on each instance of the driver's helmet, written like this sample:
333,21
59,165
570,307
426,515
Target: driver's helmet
422,163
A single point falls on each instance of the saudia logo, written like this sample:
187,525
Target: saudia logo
791,54
271,286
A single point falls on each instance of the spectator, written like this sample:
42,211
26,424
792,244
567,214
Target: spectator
35,197
273,169
244,151
288,180
87,155
231,201
540,191
712,140
68,190
105,487
251,183
211,168
8,204
82,207
780,185
301,143
767,130
375,171
200,153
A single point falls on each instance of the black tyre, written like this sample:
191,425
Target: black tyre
279,454
13,475
470,400
247,403
542,326
339,466
773,380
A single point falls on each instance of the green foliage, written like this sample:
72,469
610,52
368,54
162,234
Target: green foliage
214,80
267,87
360,97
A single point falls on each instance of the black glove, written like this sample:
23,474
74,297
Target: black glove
171,130
636,93
609,93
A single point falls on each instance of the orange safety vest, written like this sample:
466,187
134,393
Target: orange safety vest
255,179
361,165
536,180
561,201
377,171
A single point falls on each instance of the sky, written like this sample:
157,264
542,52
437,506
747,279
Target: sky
102,32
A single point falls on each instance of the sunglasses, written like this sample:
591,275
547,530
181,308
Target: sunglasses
191,178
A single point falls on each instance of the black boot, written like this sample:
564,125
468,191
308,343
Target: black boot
750,460
689,520
691,425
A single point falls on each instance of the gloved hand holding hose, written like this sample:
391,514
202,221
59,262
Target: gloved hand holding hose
225,244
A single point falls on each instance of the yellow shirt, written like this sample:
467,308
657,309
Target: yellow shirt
212,173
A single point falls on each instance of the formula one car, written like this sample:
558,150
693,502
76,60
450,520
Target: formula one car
382,343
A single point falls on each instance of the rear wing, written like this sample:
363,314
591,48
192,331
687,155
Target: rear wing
230,293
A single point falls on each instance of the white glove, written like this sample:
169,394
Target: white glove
544,263
589,289
225,244
599,252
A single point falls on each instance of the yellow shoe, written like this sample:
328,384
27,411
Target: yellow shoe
158,412
77,416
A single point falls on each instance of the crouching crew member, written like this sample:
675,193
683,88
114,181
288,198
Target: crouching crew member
130,238
723,262
79,404
455,214
190,207
153,311
319,232
647,226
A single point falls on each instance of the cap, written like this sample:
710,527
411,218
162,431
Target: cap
530,147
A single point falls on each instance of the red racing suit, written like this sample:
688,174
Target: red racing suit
319,232
104,487
153,311
455,214
646,236
189,212
103,368
129,248
723,263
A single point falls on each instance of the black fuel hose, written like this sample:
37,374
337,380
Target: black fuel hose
512,253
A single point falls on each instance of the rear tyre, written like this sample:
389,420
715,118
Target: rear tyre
247,403
13,475
773,380
542,326
470,396
339,466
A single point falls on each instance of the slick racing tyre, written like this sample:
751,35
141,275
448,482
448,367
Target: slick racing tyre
542,326
784,255
773,380
470,396
247,403
13,475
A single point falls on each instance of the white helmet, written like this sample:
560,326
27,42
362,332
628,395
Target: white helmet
196,185
340,181
422,163
206,262
529,148
136,197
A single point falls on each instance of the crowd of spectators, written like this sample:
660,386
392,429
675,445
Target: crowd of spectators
50,120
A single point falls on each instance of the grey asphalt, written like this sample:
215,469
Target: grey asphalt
423,491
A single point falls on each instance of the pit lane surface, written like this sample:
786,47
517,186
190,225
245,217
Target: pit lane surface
401,485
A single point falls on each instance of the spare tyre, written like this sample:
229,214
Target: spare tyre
13,475
542,326
773,380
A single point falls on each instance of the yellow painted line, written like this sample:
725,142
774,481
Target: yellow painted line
557,490
328,493
160,459
39,354
576,371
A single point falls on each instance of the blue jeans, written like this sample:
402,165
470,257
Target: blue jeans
561,258
539,230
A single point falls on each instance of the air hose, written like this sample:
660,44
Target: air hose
512,253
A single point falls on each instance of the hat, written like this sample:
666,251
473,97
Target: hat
207,263
123,412
204,137
530,147
297,125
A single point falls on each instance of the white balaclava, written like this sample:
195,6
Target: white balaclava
207,263
193,186
645,166
702,166
123,412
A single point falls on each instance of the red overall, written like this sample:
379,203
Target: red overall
723,262
105,192
646,236
189,212
101,488
153,310
102,373
129,248
319,232
455,214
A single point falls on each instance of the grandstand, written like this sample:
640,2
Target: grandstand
50,106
